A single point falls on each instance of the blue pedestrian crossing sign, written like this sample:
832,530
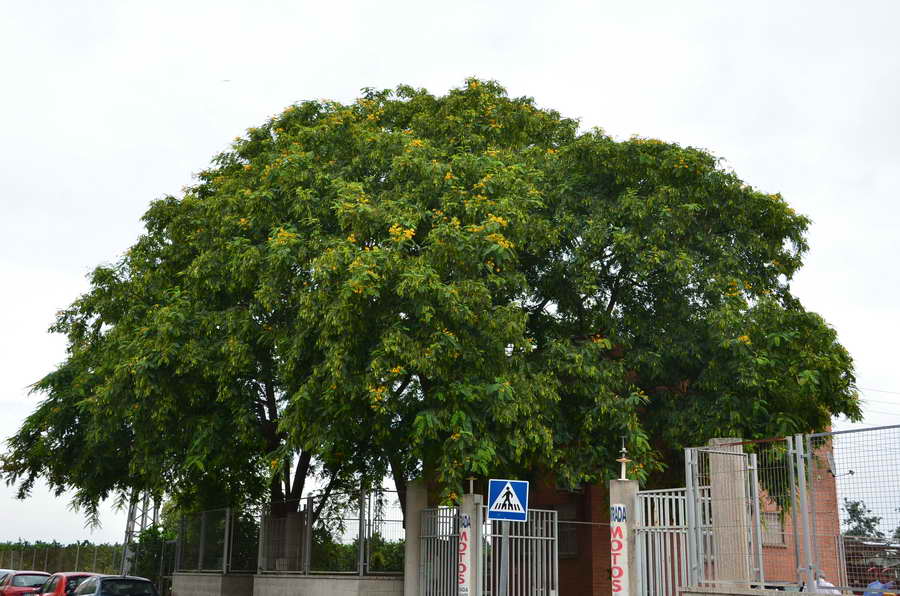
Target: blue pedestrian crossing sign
508,500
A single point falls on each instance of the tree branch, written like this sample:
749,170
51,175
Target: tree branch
325,494
300,474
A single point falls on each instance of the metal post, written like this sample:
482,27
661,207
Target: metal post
202,550
478,545
792,481
145,505
754,499
804,511
129,531
695,519
640,555
361,556
162,567
503,589
555,562
261,548
226,542
811,472
307,538
178,543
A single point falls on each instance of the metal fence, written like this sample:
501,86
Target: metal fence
152,557
439,551
516,558
203,541
318,534
788,511
81,556
854,479
661,533
520,558
724,531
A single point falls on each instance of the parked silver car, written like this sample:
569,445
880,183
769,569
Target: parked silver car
116,585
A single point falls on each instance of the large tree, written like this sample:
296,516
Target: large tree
438,286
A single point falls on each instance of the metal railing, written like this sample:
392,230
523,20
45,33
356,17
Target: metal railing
520,558
661,532
317,534
439,551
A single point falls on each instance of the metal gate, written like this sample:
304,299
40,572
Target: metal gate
515,559
520,558
439,552
661,531
724,528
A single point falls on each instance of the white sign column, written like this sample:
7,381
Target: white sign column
467,572
623,570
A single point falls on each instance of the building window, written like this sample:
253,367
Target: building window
772,528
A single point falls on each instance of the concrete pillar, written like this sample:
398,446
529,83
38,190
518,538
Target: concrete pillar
623,543
730,522
416,501
470,546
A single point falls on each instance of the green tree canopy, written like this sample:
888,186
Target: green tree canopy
433,285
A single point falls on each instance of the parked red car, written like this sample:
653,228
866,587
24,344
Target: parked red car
22,582
61,584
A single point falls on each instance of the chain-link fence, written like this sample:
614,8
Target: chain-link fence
318,534
202,540
855,497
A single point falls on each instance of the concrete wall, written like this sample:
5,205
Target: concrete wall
293,585
729,592
211,584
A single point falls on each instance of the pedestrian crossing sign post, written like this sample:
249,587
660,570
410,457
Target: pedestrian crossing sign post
508,500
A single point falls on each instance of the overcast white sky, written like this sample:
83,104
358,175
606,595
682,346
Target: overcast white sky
108,105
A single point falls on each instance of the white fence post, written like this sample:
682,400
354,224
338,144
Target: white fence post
469,545
623,547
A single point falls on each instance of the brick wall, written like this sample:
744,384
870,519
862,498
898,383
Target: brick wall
780,562
587,573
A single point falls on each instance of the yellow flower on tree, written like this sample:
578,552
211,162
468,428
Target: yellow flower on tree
500,240
399,233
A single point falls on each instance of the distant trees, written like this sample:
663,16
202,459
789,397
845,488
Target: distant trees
861,522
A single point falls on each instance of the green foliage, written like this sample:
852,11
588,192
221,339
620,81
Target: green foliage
329,554
149,548
446,286
385,555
